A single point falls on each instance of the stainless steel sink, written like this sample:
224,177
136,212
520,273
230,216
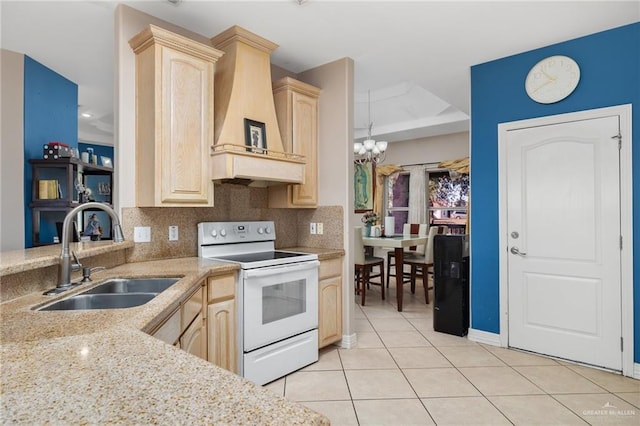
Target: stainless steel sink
101,301
115,293
133,285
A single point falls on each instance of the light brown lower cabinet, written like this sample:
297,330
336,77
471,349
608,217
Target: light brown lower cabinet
205,323
221,321
329,302
169,331
194,338
185,327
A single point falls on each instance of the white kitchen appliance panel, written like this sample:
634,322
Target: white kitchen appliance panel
279,301
267,364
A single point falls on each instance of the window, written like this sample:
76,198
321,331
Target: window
397,199
444,201
448,199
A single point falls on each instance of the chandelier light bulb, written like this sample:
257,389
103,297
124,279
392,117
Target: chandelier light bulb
357,146
381,145
369,144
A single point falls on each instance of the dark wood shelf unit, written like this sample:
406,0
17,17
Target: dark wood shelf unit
67,171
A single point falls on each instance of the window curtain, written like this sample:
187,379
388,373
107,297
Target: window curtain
381,172
417,194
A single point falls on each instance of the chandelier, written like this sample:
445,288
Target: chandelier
369,151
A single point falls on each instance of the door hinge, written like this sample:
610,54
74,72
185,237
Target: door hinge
619,137
620,242
621,344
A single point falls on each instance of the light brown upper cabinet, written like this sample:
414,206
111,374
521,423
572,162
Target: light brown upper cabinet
174,119
297,113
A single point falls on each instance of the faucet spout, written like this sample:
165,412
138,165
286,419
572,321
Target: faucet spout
64,275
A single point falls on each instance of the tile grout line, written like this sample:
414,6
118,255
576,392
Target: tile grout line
458,370
344,374
396,362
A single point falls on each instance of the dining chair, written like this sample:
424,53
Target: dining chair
408,228
364,265
422,265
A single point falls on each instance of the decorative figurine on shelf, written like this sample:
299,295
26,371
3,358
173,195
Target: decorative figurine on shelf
93,228
84,193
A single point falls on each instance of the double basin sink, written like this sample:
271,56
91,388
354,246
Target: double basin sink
115,293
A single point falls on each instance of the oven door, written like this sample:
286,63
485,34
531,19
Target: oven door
279,302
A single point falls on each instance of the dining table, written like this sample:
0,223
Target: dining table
398,243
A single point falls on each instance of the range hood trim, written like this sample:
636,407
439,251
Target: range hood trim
244,91
229,164
239,34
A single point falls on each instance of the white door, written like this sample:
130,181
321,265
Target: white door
563,224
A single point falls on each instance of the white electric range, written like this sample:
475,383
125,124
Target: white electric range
277,297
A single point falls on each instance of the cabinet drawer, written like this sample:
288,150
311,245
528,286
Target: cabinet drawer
169,332
330,268
222,287
191,308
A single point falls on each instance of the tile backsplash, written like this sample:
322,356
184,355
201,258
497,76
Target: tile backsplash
231,202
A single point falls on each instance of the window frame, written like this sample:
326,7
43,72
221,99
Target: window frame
386,209
429,168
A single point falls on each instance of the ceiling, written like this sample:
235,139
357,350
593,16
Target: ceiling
414,56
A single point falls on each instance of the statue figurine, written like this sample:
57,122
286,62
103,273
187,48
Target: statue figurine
93,228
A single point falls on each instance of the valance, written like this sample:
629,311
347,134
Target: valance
461,165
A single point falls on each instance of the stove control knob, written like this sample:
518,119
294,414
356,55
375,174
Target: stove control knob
214,233
223,233
268,230
260,231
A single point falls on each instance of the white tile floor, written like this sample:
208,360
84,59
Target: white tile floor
404,373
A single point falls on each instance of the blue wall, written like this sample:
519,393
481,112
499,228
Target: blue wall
610,69
50,114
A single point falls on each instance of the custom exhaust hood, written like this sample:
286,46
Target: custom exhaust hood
243,91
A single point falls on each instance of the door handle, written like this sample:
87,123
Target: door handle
514,250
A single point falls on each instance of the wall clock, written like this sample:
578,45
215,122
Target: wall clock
552,79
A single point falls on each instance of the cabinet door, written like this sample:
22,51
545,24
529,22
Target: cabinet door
305,142
191,307
187,128
297,112
169,331
221,337
329,311
193,340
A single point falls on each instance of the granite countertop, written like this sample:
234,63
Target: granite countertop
15,261
101,367
20,323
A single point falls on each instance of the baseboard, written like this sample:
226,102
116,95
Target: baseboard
349,341
493,339
485,337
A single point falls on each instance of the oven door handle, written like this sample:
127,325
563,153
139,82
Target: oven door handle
296,267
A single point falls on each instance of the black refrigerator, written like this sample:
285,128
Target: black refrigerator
451,284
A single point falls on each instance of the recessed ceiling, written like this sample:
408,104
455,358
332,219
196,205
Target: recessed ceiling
413,56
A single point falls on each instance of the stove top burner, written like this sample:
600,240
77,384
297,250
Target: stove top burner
251,245
261,256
